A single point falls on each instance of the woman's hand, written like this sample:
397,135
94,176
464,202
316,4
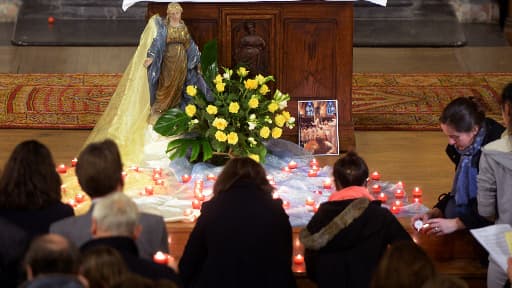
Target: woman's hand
432,213
147,62
441,226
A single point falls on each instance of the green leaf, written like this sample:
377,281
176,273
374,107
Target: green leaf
172,122
209,62
207,150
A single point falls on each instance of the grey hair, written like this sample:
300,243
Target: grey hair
116,214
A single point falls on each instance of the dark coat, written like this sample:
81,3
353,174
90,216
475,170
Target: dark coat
128,250
13,245
347,255
242,239
473,219
37,222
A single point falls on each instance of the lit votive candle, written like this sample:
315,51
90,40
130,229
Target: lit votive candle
399,194
185,178
397,203
417,200
199,195
400,185
79,197
211,177
124,174
292,165
318,192
160,182
72,203
327,184
196,204
310,201
286,169
286,204
157,176
312,173
298,259
161,258
382,197
270,178
375,176
314,167
315,208
149,190
62,169
376,188
313,162
199,183
275,195
416,192
157,170
73,162
395,209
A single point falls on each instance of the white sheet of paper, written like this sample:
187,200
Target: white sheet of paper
493,239
128,3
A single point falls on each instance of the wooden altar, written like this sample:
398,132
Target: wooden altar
307,46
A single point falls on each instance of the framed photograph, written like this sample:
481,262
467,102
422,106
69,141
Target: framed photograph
318,126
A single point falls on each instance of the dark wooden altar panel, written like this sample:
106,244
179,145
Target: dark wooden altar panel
308,47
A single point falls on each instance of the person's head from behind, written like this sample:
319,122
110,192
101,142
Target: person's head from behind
242,169
350,170
99,169
29,179
506,106
413,263
51,254
461,121
102,266
115,215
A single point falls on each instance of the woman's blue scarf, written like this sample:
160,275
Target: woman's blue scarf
465,185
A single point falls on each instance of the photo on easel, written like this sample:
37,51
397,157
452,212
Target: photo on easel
318,126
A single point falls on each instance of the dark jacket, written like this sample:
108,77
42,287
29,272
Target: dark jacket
13,245
128,250
54,281
37,222
346,253
473,219
242,239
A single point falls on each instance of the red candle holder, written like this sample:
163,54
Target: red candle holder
376,188
185,178
416,193
199,195
375,176
149,190
398,203
286,204
157,171
73,162
298,259
211,177
196,204
318,192
327,184
313,162
417,200
292,165
79,198
275,195
395,209
399,194
161,258
382,197
62,169
312,173
315,208
400,185
72,203
124,175
310,201
160,182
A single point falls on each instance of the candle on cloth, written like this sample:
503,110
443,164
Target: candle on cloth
211,177
315,208
199,195
124,174
62,169
73,162
398,203
315,168
72,203
275,195
157,176
382,197
416,193
185,178
161,258
298,259
399,194
196,204
376,188
327,184
292,165
400,185
286,169
395,209
286,204
149,190
375,176
157,170
417,200
313,162
79,197
160,182
310,201
312,173
318,192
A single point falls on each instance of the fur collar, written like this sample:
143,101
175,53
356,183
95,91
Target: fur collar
345,218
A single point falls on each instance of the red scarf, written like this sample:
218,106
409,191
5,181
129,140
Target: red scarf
351,192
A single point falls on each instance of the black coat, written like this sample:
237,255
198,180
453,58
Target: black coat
13,245
472,219
353,252
128,250
242,239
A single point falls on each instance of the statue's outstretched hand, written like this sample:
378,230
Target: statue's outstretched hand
148,62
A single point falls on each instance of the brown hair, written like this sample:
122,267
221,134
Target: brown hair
242,169
463,114
29,179
412,263
102,266
99,168
350,170
506,100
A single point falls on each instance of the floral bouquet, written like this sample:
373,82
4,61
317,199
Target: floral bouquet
237,122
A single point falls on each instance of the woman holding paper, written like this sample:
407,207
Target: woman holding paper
495,183
463,121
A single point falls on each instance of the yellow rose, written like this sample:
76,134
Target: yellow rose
234,107
232,138
212,110
220,87
264,89
265,132
253,103
191,90
260,79
254,157
280,120
220,123
242,72
251,84
220,136
190,110
286,115
277,132
218,79
272,107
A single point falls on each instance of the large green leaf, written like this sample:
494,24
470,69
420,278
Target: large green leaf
179,147
209,64
171,123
